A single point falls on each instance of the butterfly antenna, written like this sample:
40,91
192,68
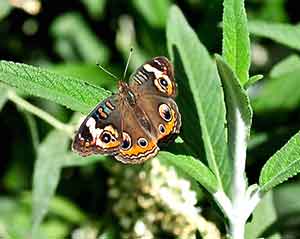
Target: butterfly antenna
106,71
127,64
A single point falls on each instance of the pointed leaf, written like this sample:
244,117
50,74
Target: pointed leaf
70,92
200,96
283,165
285,34
46,175
192,167
236,42
239,117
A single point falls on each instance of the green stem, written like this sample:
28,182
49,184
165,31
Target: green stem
20,102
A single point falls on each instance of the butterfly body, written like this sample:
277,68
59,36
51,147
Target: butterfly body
130,123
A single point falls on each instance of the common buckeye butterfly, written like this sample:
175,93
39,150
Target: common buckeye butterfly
130,124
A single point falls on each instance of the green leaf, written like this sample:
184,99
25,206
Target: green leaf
286,199
192,167
3,95
73,35
264,216
46,175
284,79
239,112
70,92
239,118
200,96
285,34
236,42
155,11
252,80
283,165
95,7
88,73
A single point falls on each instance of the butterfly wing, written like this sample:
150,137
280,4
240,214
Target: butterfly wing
155,77
139,141
156,89
101,131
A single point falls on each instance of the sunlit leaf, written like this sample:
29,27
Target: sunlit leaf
283,165
200,96
75,94
236,42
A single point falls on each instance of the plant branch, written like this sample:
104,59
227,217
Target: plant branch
20,102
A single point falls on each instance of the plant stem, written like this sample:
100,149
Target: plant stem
20,102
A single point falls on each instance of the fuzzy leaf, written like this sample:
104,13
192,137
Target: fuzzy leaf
283,165
284,79
200,97
236,42
192,167
239,112
239,118
285,34
70,92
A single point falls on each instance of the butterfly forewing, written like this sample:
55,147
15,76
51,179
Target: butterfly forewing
101,131
155,77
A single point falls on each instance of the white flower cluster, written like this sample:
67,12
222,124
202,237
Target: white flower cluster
154,202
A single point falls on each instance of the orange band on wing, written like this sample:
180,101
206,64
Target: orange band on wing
138,154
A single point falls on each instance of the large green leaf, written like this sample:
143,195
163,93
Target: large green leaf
70,92
239,118
155,11
192,167
236,42
200,96
264,216
285,34
283,165
284,79
46,175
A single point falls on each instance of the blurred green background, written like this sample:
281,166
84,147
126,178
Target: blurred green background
70,37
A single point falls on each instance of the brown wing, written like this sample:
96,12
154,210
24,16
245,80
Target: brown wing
139,141
101,131
155,77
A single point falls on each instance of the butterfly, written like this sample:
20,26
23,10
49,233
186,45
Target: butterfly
130,123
